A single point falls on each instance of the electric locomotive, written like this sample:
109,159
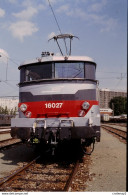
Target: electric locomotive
58,100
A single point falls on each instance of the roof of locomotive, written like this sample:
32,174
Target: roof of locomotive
57,58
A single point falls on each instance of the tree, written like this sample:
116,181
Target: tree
2,110
119,105
6,111
15,110
11,112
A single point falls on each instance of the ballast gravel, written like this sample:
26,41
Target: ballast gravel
108,165
14,158
103,171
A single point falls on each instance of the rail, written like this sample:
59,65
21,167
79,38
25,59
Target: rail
118,132
11,176
5,144
36,176
70,179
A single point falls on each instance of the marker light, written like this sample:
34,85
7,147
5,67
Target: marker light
85,105
81,113
23,107
28,114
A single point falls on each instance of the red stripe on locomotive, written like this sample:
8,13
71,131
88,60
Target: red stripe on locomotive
54,109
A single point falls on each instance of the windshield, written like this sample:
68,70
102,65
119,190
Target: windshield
69,70
36,72
57,70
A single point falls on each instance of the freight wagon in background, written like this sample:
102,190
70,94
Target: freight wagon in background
105,117
121,118
106,114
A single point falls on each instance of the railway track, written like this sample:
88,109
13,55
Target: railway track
5,127
118,132
6,140
5,131
4,134
119,124
4,144
41,175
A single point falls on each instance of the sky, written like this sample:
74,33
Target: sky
101,25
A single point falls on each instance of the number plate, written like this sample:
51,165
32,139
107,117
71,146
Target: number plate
53,105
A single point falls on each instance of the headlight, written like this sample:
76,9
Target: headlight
85,105
28,114
23,107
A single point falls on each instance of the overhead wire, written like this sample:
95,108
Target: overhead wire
123,75
7,81
14,88
10,59
9,84
110,72
120,79
54,16
57,24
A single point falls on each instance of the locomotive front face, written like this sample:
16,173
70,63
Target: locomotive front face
57,101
